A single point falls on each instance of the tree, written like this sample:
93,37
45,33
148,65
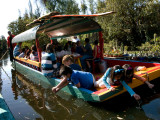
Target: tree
61,6
3,44
135,21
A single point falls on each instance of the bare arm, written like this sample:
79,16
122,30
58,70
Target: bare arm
78,85
61,85
139,78
95,49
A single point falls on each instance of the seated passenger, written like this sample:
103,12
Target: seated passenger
43,49
73,48
96,54
27,54
68,60
79,48
87,53
34,54
22,53
48,62
79,78
16,50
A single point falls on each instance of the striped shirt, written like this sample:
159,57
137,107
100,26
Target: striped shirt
48,64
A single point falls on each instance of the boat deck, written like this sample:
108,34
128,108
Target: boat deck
5,113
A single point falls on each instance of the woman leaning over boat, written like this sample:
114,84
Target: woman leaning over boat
48,62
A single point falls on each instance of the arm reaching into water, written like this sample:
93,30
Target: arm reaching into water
129,89
143,80
61,85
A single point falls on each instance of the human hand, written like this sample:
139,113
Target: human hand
136,96
54,89
150,85
112,89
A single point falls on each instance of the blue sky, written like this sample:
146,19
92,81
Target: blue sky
9,11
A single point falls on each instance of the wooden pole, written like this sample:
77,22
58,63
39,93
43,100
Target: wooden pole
38,50
101,42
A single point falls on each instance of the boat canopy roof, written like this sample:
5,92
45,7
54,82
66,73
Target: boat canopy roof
58,26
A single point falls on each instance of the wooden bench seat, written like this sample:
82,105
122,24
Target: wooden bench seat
31,62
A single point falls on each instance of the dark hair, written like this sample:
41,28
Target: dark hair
49,48
87,40
65,70
23,49
96,42
28,53
128,69
116,70
33,49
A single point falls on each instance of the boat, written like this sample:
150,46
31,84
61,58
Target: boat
60,26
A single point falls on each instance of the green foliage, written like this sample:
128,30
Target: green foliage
134,23
62,6
3,44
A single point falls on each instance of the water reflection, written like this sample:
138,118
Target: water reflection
1,82
30,101
49,106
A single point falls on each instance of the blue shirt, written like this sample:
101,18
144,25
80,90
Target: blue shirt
84,78
75,67
88,50
107,82
48,64
16,51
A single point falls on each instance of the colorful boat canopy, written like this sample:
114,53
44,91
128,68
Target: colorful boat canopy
59,26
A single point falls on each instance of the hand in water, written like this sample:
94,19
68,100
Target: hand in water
136,96
150,86
54,89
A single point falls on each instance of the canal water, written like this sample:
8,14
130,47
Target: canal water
31,102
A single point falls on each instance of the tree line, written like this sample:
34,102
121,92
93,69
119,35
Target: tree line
134,23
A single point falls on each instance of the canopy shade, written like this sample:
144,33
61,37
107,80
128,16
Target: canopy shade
26,36
58,26
64,27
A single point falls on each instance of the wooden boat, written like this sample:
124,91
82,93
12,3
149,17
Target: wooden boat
59,26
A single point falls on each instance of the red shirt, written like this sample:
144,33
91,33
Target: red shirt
98,51
8,42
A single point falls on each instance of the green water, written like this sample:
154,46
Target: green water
31,102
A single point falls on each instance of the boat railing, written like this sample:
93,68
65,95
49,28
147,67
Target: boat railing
30,63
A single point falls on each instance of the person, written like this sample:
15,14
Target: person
16,51
113,76
22,54
43,49
10,46
73,48
34,55
68,46
79,48
87,53
27,54
68,60
75,39
96,54
96,50
79,78
129,75
48,62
